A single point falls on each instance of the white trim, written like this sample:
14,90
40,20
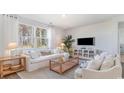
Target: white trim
118,40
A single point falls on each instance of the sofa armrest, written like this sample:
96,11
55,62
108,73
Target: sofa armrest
27,61
114,72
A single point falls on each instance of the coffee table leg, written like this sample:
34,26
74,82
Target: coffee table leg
61,68
50,64
25,64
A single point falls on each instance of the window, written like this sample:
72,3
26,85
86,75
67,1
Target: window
41,38
30,37
25,36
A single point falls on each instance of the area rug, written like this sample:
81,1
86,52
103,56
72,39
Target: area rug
45,73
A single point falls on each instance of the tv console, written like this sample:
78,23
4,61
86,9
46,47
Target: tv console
84,52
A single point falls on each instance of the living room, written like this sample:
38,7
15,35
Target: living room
24,33
66,46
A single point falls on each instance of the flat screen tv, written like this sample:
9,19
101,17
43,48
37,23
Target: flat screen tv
86,41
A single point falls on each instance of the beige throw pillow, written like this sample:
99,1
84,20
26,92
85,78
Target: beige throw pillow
34,55
94,64
107,63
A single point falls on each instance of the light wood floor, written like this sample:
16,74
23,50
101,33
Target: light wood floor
15,76
122,58
12,76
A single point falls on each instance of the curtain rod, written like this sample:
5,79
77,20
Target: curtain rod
11,16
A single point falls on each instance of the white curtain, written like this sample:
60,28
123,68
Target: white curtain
1,34
51,37
9,31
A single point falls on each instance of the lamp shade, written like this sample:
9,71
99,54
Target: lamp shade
12,45
62,44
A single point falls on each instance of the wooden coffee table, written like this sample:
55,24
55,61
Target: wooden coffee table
61,66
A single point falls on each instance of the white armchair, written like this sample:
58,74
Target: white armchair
111,73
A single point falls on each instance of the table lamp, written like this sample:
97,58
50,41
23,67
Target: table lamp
62,45
12,46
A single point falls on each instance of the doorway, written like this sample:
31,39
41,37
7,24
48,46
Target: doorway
121,40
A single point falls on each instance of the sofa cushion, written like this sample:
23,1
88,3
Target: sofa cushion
39,53
98,57
26,52
46,58
43,53
34,55
94,64
39,59
109,56
103,54
57,51
107,63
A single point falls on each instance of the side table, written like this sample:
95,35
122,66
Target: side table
9,69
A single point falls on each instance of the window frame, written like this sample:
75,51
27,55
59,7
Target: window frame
34,37
41,37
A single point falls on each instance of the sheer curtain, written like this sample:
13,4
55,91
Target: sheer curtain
9,31
1,36
51,37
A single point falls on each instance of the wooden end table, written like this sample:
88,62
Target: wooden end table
10,69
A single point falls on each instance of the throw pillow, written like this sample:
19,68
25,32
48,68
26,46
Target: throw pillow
109,56
94,64
97,57
100,58
103,54
38,53
34,55
107,63
26,52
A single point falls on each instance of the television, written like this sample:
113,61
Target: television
86,41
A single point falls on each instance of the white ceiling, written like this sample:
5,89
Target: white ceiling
70,20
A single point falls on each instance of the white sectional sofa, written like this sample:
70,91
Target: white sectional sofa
41,61
106,70
35,60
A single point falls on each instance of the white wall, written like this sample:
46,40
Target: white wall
8,33
59,34
56,35
121,36
121,30
104,33
1,37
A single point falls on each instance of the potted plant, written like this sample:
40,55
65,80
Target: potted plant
68,41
